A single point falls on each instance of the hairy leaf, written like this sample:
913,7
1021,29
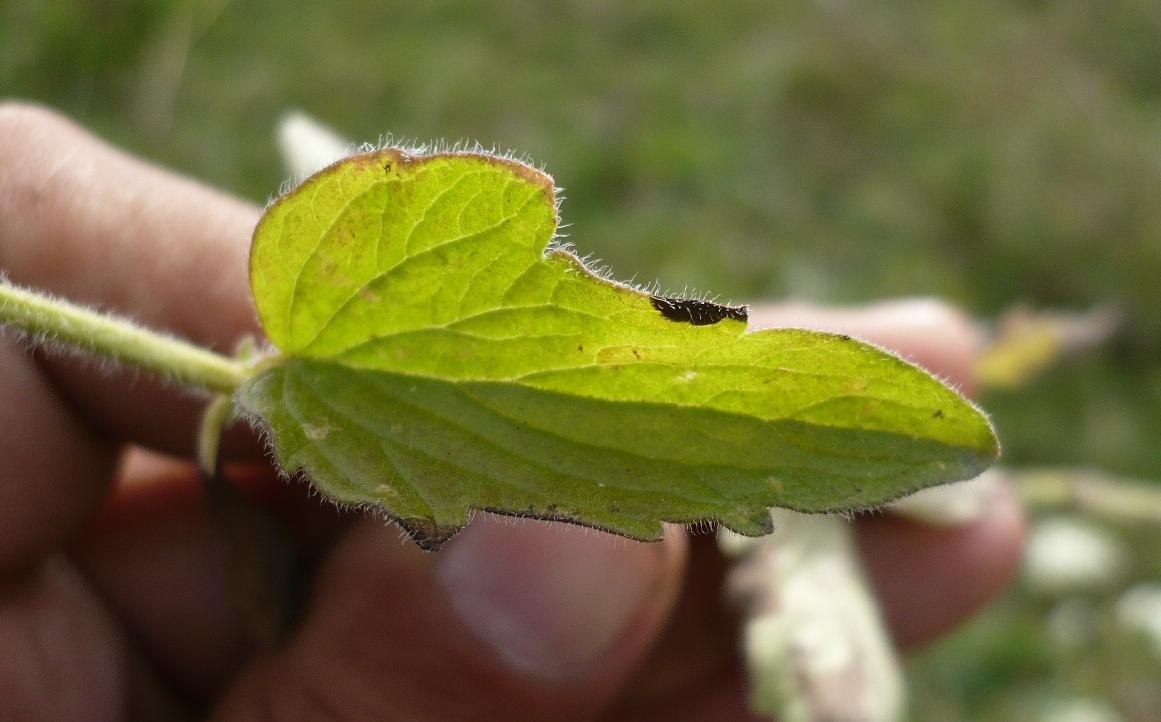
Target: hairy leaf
439,355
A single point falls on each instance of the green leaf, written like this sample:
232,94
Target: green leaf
440,355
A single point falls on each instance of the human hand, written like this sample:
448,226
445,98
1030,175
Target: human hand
113,600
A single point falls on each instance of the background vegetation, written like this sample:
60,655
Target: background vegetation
991,152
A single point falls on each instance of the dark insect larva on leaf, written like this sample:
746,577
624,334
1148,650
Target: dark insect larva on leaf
696,312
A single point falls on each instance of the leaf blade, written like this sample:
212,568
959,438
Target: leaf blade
439,357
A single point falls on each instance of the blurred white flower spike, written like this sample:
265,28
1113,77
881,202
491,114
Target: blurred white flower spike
1067,555
815,645
307,146
1139,612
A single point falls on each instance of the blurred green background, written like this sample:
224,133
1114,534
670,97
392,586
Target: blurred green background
990,152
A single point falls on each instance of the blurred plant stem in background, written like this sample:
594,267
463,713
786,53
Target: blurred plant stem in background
164,59
1027,343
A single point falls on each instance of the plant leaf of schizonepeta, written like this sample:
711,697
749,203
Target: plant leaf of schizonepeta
438,355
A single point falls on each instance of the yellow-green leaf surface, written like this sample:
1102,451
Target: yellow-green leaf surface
438,355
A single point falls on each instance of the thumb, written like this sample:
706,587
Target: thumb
512,620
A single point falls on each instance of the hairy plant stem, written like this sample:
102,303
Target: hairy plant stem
1090,492
60,321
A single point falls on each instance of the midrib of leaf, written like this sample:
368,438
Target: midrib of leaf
524,378
659,408
542,374
725,415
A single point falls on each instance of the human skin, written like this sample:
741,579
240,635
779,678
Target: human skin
113,601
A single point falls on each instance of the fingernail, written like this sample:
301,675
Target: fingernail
550,600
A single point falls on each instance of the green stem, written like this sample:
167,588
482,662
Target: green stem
58,320
1090,492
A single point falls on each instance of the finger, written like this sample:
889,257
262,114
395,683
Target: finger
90,223
156,555
61,656
54,471
929,579
157,559
927,332
511,621
697,655
722,698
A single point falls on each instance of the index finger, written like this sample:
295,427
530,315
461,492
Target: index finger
85,221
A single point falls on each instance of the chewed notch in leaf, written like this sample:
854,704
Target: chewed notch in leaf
439,355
